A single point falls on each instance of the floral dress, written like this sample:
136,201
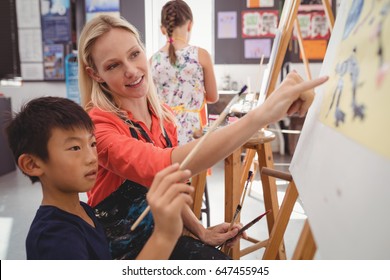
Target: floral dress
182,87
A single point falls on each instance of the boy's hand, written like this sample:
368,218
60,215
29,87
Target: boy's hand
167,198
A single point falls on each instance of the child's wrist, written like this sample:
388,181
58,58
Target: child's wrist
165,243
163,237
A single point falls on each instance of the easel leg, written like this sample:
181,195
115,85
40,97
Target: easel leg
232,192
306,247
265,158
198,182
276,236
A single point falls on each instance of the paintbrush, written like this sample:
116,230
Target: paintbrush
239,206
244,228
191,154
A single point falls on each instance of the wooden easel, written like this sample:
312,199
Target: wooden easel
306,246
277,222
236,174
265,155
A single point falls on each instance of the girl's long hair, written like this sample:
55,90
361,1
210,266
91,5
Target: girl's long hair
174,14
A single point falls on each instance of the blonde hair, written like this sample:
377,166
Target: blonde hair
94,94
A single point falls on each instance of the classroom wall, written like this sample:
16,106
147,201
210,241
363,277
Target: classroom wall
202,35
30,90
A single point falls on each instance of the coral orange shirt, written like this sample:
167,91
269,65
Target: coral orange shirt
123,157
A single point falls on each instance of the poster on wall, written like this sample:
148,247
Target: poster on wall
260,3
314,49
259,23
244,30
227,25
53,62
96,7
313,25
256,48
56,21
315,36
56,37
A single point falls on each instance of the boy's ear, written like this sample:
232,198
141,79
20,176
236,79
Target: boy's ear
92,73
30,165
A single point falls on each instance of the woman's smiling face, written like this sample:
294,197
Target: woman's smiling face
121,64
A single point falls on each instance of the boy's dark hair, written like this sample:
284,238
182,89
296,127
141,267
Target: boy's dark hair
30,130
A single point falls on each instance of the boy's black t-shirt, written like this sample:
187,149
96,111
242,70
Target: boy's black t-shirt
58,235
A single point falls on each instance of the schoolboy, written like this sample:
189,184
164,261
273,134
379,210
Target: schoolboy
52,139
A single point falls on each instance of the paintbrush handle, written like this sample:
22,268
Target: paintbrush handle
140,218
238,209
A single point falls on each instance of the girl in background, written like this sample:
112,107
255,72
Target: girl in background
183,74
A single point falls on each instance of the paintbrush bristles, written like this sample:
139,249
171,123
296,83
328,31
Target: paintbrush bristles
250,173
238,209
250,176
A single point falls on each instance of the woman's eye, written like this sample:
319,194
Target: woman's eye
75,148
93,144
111,66
135,54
